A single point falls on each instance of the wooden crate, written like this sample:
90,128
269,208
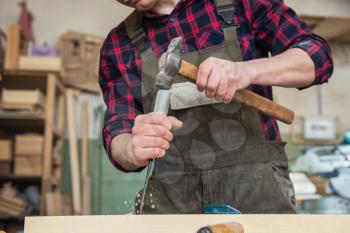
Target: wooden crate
28,166
29,145
80,60
5,150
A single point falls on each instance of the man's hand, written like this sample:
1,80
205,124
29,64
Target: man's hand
151,136
220,79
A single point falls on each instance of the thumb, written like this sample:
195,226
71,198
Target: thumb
175,122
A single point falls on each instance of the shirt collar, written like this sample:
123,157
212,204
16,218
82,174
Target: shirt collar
140,16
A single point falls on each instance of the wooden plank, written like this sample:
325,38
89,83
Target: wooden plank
85,135
344,38
12,47
187,223
54,204
20,107
86,198
332,28
52,64
73,151
48,138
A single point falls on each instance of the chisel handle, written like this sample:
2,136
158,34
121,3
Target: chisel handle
246,97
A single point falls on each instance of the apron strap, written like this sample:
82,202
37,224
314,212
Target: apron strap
226,10
136,34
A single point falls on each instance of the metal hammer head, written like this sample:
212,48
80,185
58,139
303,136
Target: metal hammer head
169,64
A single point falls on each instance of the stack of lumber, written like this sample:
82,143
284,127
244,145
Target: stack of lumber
5,156
10,203
22,100
28,154
80,60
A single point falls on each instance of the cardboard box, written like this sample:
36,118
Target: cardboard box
5,150
29,166
29,145
34,97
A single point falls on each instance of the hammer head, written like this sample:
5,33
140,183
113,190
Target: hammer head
169,64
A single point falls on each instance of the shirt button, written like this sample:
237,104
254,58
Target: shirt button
172,19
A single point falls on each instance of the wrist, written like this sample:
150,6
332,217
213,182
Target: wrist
252,71
130,156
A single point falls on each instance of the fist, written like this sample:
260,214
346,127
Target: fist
151,137
220,79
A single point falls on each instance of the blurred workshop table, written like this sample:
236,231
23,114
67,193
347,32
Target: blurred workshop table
187,223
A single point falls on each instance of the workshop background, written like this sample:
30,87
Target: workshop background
52,161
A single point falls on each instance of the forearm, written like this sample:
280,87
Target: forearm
293,68
121,150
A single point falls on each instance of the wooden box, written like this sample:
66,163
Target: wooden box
39,63
80,60
5,150
5,168
29,145
30,97
29,166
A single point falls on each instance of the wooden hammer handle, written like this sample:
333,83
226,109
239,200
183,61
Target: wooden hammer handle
247,97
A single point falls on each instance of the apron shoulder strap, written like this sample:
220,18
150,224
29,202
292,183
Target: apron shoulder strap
226,10
136,34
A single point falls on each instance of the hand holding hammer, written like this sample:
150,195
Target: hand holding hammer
171,64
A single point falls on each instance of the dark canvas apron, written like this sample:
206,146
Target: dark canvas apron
219,156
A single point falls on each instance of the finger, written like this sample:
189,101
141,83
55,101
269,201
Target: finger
222,88
151,142
149,153
157,118
231,91
175,122
213,82
204,72
153,130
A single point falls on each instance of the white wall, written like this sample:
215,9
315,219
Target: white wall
54,17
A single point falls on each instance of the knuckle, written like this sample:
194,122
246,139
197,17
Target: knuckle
204,68
138,118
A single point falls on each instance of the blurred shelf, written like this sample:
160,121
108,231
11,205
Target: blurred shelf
19,177
22,121
334,29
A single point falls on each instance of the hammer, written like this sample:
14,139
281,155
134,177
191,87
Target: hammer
231,227
171,64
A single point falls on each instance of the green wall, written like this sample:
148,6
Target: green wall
113,192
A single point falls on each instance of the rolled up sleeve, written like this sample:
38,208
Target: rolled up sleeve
278,28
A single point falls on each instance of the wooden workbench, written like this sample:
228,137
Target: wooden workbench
187,223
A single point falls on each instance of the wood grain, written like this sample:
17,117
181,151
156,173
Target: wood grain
187,223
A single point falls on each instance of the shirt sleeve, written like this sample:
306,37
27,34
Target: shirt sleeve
278,28
120,83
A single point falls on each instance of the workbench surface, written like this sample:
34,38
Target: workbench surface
187,223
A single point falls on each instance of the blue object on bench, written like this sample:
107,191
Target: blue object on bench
220,209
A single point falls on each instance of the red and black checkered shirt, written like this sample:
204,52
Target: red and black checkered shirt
269,25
